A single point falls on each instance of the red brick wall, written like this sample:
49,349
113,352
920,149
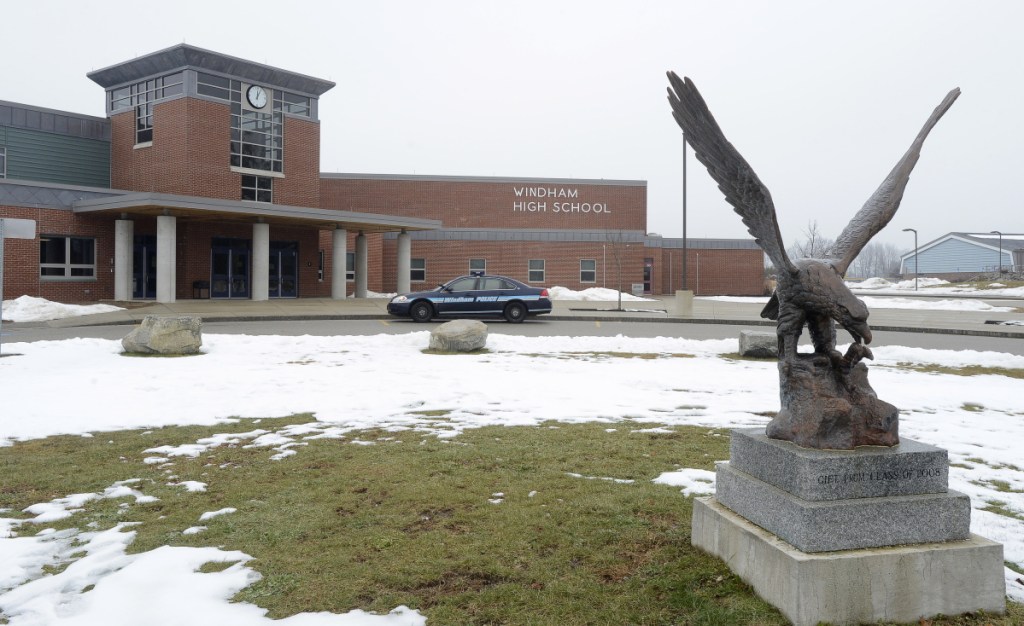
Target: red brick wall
191,154
561,262
483,204
21,257
301,184
195,241
723,272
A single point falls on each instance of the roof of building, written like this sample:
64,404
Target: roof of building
482,179
148,203
992,240
17,115
184,56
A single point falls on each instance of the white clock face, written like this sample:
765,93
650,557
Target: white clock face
257,96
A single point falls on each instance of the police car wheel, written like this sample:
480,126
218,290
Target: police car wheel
515,312
421,312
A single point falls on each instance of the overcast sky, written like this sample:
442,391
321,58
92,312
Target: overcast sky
821,98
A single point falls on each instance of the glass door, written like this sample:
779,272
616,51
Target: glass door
229,268
284,269
144,267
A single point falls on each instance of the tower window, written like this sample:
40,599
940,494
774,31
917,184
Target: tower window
141,97
258,188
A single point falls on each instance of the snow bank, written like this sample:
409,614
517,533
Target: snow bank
593,294
29,309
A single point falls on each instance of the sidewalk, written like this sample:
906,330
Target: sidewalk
705,311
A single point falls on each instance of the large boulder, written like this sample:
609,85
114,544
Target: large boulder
459,336
165,335
759,344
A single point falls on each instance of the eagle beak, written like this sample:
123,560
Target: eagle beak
860,331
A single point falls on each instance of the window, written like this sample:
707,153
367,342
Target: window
418,270
67,257
258,188
291,103
536,274
588,271
256,139
3,162
350,266
320,268
478,265
141,96
493,282
463,284
218,87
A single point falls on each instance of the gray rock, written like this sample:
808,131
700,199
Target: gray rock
759,344
165,335
831,408
459,336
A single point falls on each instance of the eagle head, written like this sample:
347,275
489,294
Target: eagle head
830,295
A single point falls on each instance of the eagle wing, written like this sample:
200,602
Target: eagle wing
743,190
882,205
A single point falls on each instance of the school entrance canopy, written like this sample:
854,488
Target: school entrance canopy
169,208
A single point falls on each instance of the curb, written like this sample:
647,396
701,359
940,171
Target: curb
553,318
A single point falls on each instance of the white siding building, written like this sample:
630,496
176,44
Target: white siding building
970,253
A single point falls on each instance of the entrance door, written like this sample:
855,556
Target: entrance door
144,267
648,272
229,268
284,269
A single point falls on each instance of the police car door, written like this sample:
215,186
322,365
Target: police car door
459,298
488,295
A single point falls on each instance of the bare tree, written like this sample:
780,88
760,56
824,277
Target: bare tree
877,259
617,244
814,245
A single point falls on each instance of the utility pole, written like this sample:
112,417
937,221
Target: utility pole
683,287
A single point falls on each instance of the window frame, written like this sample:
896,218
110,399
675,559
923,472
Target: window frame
592,271
417,271
350,267
478,269
530,269
66,265
140,97
262,188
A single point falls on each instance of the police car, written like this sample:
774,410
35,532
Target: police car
476,295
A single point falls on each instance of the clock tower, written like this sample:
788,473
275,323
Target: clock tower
193,122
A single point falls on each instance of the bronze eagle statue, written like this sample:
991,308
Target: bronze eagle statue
808,291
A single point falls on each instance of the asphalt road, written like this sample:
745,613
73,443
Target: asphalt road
531,328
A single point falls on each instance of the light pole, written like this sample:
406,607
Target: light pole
911,230
683,287
996,232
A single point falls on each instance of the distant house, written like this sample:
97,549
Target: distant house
966,253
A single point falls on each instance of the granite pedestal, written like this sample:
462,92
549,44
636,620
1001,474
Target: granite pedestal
822,500
898,584
846,536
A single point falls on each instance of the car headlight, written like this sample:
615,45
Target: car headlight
400,299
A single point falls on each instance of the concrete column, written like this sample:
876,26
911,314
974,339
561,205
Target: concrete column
361,270
166,258
260,261
124,243
683,304
404,262
338,269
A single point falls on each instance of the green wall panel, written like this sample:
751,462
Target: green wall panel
49,157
